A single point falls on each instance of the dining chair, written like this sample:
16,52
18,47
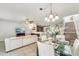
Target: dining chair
45,49
75,48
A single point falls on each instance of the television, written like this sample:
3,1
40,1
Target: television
20,31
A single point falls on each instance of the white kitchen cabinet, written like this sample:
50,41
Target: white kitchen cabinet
26,41
29,40
19,42
7,45
16,42
13,43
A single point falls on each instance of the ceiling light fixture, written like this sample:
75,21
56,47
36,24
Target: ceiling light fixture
30,23
51,16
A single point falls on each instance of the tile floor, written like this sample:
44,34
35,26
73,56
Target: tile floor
29,50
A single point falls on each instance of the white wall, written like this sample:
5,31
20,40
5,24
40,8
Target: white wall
7,29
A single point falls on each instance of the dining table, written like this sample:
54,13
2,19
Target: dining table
60,48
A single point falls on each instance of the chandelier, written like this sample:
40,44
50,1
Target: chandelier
52,16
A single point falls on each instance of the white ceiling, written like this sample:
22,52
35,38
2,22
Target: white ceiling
20,11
